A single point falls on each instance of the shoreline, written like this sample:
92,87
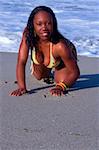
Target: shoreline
38,120
79,55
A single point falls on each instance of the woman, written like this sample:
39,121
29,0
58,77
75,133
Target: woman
49,49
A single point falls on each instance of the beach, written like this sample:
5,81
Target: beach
39,121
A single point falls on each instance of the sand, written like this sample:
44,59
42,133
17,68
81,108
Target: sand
39,121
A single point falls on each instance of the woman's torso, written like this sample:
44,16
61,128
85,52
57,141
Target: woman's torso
48,55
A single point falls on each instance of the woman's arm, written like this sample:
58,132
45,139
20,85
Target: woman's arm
20,68
69,73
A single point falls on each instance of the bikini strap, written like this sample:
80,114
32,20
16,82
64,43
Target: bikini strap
52,60
51,49
33,56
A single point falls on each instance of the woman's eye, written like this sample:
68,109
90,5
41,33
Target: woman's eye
39,24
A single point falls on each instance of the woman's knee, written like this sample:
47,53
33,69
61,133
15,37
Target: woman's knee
41,72
37,75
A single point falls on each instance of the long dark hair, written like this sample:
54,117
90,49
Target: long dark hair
31,39
55,36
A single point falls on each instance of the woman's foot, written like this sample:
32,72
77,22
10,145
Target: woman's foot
50,79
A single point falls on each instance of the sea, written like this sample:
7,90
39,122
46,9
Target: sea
78,20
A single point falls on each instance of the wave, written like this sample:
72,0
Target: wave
77,21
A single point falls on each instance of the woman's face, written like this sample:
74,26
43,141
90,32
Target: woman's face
43,25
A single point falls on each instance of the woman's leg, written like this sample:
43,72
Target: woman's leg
41,71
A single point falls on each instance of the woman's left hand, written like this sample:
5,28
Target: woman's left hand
56,91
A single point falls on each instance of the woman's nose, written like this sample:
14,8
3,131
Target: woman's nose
44,26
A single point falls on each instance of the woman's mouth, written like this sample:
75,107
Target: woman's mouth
45,34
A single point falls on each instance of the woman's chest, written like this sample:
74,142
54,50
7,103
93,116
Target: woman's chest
46,54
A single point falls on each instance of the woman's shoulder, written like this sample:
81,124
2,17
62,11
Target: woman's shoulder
66,42
65,46
24,39
61,45
25,32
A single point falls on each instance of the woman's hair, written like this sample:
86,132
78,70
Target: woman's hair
31,39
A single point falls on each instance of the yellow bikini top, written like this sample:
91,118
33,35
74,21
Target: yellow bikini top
52,62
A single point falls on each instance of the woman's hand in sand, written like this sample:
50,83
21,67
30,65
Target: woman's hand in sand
56,91
18,92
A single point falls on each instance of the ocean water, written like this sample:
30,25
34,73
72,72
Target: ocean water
77,20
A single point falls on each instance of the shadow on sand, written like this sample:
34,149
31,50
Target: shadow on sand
40,88
85,81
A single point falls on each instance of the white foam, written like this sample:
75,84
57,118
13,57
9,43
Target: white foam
77,20
5,40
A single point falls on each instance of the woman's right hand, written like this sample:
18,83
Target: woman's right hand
18,92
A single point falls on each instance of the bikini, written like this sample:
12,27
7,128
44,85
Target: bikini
52,64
